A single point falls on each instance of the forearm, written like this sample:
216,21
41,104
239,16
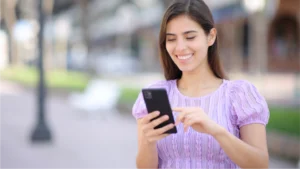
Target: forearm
147,155
241,153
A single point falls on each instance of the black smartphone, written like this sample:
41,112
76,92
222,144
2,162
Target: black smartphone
156,99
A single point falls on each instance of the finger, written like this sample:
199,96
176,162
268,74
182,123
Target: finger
158,121
186,128
164,129
150,116
184,109
188,123
189,120
162,136
182,117
160,131
179,119
178,109
185,125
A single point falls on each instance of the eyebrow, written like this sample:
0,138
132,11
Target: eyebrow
187,32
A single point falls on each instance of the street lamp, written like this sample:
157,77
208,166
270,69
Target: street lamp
269,6
41,132
259,12
253,6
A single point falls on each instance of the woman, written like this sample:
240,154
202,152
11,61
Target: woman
220,123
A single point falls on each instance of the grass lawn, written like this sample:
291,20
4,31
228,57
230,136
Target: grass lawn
54,79
285,120
129,95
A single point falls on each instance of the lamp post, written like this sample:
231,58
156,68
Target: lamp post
253,6
257,35
260,13
41,132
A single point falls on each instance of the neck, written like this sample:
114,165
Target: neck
199,79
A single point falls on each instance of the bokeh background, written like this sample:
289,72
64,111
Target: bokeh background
98,54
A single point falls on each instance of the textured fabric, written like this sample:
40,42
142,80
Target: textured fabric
232,105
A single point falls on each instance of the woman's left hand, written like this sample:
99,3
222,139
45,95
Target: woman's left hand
196,118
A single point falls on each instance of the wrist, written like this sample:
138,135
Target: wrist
149,144
219,132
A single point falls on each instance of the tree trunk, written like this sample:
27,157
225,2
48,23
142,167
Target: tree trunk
10,20
85,32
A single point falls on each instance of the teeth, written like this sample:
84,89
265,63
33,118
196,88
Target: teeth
185,57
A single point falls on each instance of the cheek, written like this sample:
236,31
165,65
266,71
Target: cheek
169,48
199,47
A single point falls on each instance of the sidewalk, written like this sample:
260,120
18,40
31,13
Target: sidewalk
80,140
284,145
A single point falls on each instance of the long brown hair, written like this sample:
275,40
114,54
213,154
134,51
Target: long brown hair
200,13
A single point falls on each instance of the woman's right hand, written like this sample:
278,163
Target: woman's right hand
153,135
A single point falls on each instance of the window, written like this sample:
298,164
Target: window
284,38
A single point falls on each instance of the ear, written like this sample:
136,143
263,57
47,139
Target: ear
212,36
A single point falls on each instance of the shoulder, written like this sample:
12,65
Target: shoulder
139,108
167,84
240,84
241,87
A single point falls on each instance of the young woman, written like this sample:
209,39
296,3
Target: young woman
220,123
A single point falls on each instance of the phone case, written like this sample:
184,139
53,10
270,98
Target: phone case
156,99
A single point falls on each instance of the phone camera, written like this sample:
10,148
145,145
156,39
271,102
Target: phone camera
148,95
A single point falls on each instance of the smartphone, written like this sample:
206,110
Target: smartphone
156,99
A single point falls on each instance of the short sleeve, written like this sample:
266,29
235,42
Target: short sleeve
248,106
139,109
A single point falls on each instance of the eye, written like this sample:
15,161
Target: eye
190,38
171,40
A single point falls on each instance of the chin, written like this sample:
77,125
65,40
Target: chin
187,69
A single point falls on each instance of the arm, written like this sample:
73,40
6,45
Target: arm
249,152
147,138
147,156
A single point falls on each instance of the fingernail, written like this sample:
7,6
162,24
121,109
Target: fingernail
157,112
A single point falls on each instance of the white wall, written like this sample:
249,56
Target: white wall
3,50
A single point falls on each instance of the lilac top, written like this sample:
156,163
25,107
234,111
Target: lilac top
233,105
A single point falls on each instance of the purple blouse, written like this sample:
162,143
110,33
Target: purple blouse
233,105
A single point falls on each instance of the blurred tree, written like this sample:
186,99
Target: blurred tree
1,11
166,3
85,30
27,9
9,8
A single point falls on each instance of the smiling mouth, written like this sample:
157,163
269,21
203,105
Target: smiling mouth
184,57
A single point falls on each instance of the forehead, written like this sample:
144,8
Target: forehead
182,24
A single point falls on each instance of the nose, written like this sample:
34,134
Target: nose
180,46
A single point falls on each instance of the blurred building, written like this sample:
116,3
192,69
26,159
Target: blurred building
81,34
266,40
125,31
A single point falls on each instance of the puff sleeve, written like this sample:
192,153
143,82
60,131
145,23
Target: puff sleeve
248,106
139,109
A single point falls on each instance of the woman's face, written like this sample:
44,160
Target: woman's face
187,43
